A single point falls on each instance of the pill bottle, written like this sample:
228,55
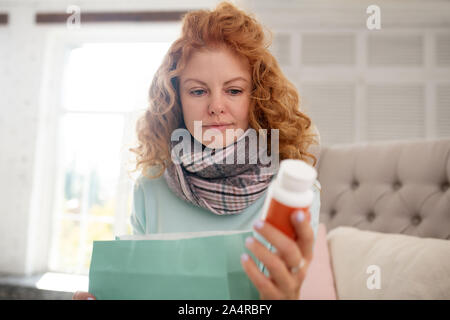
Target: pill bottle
290,191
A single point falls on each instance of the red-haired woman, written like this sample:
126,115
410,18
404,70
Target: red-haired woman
220,76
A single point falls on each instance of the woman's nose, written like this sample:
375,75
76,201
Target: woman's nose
216,110
217,105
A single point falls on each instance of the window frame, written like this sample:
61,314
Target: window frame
48,180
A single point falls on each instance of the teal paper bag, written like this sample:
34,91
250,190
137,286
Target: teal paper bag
197,267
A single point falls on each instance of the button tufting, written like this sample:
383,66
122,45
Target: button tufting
355,184
332,213
370,216
416,220
444,186
397,185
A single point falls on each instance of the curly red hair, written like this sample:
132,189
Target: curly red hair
274,102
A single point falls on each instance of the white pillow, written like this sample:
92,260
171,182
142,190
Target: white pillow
406,267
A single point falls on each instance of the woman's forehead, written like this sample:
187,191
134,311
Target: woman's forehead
218,55
203,65
235,79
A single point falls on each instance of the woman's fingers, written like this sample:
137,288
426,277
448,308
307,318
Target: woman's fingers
287,249
305,234
265,287
81,295
276,266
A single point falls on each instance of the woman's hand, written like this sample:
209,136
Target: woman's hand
282,283
81,295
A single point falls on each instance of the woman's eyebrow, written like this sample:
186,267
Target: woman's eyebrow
231,80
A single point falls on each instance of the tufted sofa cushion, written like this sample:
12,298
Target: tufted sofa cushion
391,187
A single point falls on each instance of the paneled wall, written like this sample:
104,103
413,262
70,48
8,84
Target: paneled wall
366,85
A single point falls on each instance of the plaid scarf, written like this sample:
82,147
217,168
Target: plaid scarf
206,179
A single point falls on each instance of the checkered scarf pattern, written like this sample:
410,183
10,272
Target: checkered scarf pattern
212,183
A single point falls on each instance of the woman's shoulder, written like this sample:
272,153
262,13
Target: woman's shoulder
149,181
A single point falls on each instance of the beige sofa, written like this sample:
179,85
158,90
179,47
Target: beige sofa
386,210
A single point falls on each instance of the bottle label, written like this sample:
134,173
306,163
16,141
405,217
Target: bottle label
279,215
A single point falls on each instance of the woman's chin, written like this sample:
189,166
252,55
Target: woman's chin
219,144
216,145
219,139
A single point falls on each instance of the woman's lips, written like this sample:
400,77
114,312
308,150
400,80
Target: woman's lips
219,127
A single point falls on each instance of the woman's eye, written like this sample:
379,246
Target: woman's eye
194,92
235,91
199,92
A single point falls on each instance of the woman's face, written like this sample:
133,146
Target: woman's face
215,89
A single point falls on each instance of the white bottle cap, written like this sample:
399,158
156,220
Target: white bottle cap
292,187
296,175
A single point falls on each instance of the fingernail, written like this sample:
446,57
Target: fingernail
300,216
244,257
249,241
90,298
259,224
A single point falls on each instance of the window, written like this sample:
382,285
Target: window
105,88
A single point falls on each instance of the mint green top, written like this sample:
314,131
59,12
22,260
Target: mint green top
156,209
